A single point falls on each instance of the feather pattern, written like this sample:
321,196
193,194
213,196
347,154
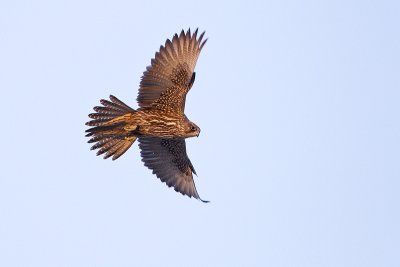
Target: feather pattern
170,163
110,110
174,58
108,133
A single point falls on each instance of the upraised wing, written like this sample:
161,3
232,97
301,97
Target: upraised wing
170,163
165,83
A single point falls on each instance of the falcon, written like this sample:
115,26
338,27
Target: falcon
159,124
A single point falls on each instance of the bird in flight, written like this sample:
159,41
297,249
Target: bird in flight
159,124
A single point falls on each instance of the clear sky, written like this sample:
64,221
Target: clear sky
299,153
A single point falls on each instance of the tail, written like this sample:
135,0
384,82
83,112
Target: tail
108,132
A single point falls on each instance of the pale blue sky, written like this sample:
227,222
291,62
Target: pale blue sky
299,153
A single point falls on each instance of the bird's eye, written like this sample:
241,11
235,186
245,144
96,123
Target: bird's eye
193,129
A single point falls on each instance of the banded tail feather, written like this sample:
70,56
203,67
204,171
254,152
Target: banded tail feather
108,131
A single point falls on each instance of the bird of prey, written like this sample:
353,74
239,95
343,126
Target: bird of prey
159,124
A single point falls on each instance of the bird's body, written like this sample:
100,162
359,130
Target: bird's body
152,123
159,123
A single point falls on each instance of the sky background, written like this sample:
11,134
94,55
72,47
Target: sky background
299,153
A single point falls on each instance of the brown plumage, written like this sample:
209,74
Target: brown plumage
159,123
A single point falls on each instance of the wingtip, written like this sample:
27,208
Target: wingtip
201,37
203,43
204,201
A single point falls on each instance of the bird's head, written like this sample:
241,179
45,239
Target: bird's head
192,130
